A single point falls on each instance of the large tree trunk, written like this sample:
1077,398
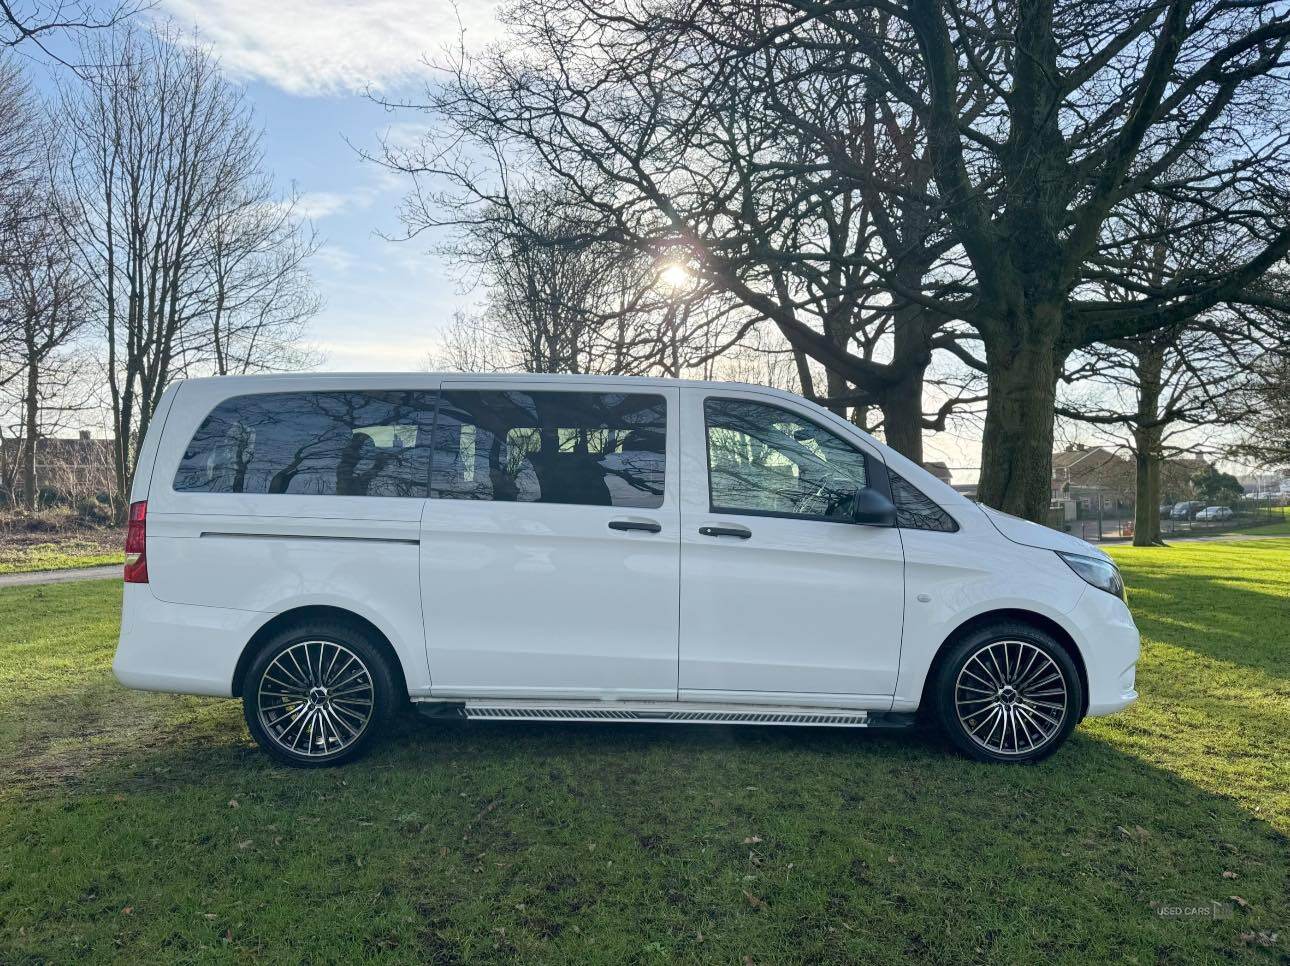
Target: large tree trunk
902,414
29,444
1017,446
1146,514
1146,441
902,401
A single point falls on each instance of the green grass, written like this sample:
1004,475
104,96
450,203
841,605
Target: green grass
61,555
1278,528
146,827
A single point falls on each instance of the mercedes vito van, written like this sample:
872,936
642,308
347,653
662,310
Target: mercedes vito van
331,547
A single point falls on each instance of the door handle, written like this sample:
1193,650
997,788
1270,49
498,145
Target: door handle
649,526
743,533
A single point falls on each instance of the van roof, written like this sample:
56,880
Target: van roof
654,381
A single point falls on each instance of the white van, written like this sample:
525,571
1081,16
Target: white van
329,547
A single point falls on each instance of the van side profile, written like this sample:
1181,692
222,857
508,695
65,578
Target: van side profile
330,548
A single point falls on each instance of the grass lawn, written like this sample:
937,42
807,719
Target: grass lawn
55,539
1278,528
60,555
146,827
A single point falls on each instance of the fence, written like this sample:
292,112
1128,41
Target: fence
1095,531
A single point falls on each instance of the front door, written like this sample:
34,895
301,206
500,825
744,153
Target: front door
783,597
550,542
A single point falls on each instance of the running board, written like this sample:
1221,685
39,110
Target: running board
665,713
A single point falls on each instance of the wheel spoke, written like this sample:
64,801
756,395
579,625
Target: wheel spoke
989,684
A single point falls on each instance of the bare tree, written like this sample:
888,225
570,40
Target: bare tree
196,266
674,139
20,152
45,309
558,299
261,294
1153,393
1089,107
1040,121
1159,386
1266,400
42,294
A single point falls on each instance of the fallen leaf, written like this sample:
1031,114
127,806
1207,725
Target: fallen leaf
232,803
755,902
1137,833
1262,938
128,911
245,845
752,840
210,915
1240,902
1227,874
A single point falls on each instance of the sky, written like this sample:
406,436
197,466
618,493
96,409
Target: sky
307,66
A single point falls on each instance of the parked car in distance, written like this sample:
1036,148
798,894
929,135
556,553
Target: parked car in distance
1187,509
329,548
1166,510
1215,513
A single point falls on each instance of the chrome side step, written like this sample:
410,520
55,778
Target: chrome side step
655,711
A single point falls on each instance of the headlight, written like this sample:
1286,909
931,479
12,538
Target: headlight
1102,574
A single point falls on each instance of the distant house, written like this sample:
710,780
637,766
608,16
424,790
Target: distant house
67,469
940,470
1086,474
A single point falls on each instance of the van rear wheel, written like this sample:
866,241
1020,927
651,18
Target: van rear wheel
1008,693
318,695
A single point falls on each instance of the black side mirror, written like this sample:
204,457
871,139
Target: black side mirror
870,508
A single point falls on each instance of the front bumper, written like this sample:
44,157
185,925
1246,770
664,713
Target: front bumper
1110,645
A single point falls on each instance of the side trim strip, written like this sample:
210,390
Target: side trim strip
229,535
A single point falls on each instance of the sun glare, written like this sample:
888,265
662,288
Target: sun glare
675,276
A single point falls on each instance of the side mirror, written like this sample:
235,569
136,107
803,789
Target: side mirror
871,509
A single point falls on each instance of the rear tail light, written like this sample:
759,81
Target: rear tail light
136,544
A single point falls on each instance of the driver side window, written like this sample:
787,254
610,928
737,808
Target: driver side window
763,459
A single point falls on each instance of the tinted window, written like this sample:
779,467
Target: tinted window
915,510
602,449
764,459
313,443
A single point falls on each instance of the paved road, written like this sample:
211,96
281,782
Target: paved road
59,576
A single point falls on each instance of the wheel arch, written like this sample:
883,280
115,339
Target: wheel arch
313,614
1014,615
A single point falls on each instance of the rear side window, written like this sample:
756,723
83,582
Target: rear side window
597,449
371,443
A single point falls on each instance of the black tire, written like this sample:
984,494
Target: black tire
304,717
1026,713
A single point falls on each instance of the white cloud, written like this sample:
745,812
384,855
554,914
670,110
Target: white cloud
313,47
316,205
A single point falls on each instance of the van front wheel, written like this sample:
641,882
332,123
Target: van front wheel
317,695
1008,692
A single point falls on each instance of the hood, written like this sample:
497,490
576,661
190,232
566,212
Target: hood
1036,535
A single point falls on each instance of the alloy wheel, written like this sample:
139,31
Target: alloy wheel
1011,697
316,698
